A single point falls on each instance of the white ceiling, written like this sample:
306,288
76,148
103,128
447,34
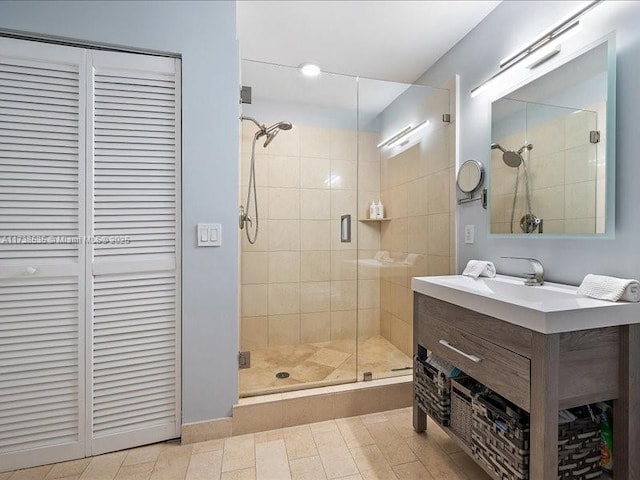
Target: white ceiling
388,40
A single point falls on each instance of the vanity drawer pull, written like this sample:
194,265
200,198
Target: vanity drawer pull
473,358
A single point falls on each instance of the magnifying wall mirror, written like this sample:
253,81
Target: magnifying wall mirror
470,176
470,179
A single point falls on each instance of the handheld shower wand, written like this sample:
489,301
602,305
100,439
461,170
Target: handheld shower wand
270,133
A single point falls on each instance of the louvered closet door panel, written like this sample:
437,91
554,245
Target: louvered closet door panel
38,161
135,301
42,113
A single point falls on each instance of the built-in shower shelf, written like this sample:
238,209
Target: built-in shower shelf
374,219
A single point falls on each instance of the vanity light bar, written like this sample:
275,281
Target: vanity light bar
418,127
554,36
537,56
395,136
403,134
548,40
535,63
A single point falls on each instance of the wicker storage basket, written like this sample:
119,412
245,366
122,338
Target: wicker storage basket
461,411
432,389
579,447
500,440
500,437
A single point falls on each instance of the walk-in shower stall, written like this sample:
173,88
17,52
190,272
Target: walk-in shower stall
325,289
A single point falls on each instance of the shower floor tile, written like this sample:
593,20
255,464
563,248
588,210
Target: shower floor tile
319,364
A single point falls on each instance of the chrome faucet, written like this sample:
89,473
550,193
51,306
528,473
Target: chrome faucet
537,276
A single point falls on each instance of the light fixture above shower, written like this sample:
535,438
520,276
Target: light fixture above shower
543,48
310,69
402,135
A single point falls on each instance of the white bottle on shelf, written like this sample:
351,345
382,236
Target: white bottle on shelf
379,210
373,209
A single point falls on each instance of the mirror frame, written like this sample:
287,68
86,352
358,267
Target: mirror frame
610,147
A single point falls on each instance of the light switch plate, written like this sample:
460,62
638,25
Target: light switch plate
209,235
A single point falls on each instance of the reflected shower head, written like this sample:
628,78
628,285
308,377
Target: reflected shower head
512,159
509,157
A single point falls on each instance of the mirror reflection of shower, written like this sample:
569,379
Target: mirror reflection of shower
529,222
244,218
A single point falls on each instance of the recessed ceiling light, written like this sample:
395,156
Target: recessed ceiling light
310,70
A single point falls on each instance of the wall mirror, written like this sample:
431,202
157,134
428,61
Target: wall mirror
552,150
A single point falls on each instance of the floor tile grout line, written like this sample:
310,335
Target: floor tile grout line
87,466
349,448
255,454
315,446
186,471
119,467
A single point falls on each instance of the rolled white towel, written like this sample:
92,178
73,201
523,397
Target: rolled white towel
383,256
479,268
610,288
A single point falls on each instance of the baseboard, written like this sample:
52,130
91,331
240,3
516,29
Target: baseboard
207,430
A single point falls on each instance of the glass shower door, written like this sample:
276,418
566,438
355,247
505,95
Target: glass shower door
299,278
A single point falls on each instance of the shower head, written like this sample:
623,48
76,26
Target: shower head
273,130
279,126
269,132
509,157
512,159
270,137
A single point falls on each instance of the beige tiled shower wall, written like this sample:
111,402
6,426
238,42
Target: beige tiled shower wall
300,283
566,175
417,191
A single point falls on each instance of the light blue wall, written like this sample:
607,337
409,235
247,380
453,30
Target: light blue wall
204,33
476,57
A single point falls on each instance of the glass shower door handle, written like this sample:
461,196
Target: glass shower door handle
345,228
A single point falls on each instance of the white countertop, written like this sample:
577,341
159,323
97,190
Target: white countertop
549,308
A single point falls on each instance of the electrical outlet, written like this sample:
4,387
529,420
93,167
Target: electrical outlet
468,233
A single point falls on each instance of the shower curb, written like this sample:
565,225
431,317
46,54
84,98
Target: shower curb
289,409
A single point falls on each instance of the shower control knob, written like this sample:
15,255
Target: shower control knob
242,218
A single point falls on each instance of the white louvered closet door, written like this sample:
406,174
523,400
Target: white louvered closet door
134,160
42,272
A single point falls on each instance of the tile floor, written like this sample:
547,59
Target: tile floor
380,446
314,364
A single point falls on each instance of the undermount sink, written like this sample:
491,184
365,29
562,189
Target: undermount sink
549,308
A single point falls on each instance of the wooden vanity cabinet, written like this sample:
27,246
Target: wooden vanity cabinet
541,373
